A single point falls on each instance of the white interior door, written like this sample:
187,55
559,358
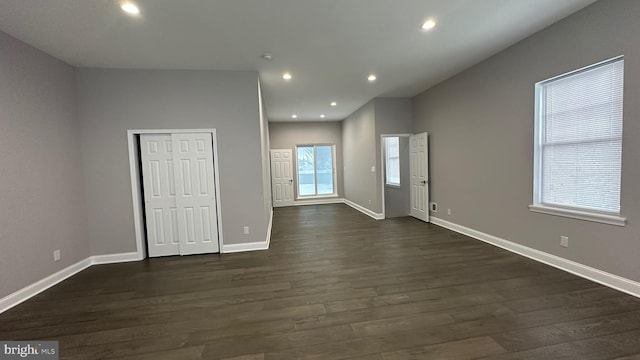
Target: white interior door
180,200
282,177
195,195
159,195
419,168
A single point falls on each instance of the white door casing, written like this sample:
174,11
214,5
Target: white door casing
159,195
179,193
282,177
419,168
195,195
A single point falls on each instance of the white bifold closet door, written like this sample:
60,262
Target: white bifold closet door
180,201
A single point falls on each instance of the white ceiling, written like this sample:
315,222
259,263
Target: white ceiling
329,46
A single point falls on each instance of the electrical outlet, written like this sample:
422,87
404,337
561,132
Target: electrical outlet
448,211
434,207
56,255
369,202
373,169
246,230
564,241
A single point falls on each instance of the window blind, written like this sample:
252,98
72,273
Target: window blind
392,160
581,138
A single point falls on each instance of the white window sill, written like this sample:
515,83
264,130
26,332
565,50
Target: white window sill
393,186
317,197
580,215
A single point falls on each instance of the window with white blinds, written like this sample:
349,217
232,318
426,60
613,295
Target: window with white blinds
578,152
392,160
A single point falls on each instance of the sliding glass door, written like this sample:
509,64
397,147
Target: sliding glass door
316,175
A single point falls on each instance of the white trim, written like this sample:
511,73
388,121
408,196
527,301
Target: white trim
216,185
114,258
583,69
233,248
39,286
269,227
580,215
396,135
136,190
538,148
607,279
254,246
331,200
312,197
364,210
136,193
350,203
383,180
169,131
315,174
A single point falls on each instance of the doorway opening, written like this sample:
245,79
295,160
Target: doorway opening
395,175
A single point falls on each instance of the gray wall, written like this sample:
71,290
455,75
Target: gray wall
362,147
359,155
393,116
286,135
481,132
112,101
397,200
41,186
266,159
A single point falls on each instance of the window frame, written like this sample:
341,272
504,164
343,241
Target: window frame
386,162
315,173
575,212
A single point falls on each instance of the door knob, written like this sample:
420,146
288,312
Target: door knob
424,182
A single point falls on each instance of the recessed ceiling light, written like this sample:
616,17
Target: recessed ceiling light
294,116
428,25
286,76
372,78
333,103
130,8
322,116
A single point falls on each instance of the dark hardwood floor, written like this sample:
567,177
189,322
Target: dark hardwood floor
334,285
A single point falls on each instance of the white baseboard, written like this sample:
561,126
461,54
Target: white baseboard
233,248
36,288
350,203
364,210
319,201
254,246
114,258
602,277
